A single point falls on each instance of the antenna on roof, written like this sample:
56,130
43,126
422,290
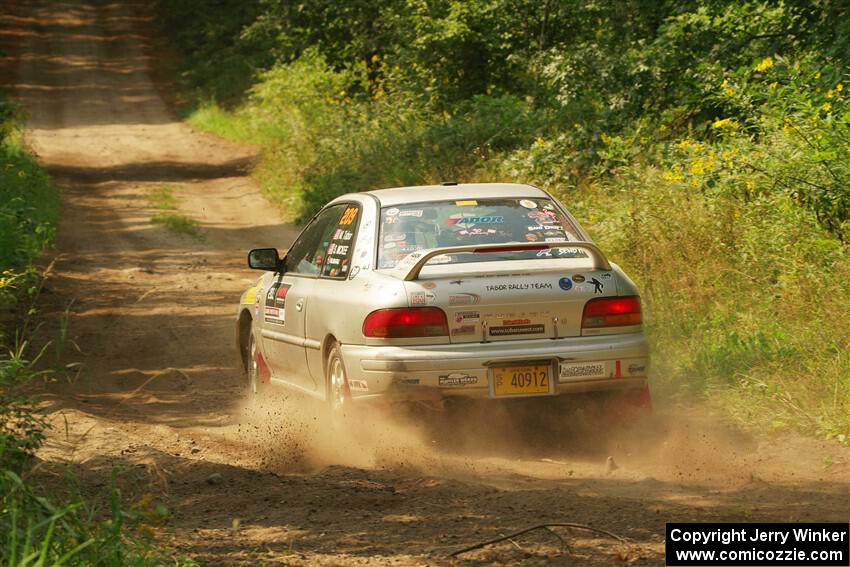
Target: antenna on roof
448,183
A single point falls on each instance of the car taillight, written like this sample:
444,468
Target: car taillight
611,312
403,323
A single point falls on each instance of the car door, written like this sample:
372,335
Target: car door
287,300
332,289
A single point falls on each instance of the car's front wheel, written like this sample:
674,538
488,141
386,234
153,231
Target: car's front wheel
253,366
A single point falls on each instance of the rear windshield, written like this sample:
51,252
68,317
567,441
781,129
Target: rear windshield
436,224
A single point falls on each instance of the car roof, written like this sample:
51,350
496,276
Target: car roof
424,193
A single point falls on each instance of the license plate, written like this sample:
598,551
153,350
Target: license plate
522,380
573,370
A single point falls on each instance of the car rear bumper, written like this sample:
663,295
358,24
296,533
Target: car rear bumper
582,364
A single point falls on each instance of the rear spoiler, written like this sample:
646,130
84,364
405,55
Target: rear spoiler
409,267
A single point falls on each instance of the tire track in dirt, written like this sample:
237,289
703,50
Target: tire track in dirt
159,392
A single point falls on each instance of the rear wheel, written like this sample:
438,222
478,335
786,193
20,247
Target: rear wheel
338,393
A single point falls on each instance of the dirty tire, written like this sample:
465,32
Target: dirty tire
338,398
252,369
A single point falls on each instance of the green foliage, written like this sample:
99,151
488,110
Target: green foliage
29,207
38,531
706,143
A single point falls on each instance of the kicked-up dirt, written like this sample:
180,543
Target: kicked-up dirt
159,394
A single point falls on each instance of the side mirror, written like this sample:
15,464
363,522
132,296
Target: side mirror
264,259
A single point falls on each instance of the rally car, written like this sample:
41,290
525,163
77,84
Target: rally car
482,291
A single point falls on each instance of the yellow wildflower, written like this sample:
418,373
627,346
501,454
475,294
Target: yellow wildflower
773,85
724,123
697,167
829,93
684,144
817,75
727,88
540,142
2,282
376,58
839,87
826,107
765,64
606,139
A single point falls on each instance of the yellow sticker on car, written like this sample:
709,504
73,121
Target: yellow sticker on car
466,203
250,296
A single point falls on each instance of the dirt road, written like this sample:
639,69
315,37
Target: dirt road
159,394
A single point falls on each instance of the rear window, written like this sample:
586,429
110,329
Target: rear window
437,224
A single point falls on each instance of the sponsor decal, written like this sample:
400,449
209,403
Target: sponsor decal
606,276
333,273
390,220
340,249
536,227
463,330
519,286
528,204
542,217
457,379
464,299
409,381
597,286
637,369
389,245
395,237
477,231
516,330
456,282
553,232
565,284
467,316
359,385
391,212
462,219
508,322
547,253
583,370
531,237
411,213
548,206
556,239
333,261
422,298
275,312
354,271
341,234
441,259
429,285
578,278
466,203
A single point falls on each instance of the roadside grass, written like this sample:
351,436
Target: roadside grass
163,199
